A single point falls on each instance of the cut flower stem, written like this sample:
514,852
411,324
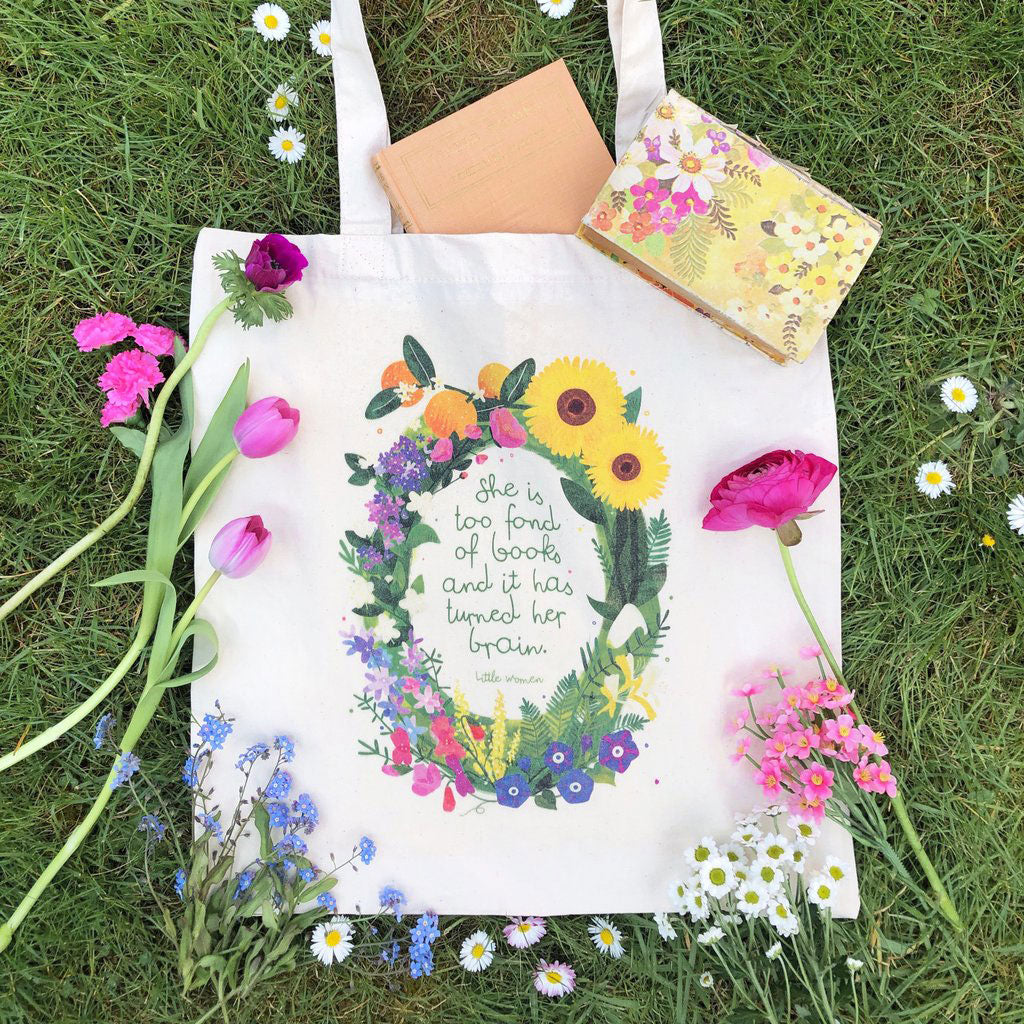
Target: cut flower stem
141,474
899,807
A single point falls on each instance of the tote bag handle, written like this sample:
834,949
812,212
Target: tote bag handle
362,118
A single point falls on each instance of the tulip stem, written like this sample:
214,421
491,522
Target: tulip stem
204,486
946,905
190,611
141,474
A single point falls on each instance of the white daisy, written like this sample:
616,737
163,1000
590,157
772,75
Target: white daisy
853,965
287,145
782,917
697,905
477,952
821,891
556,8
767,873
774,951
320,38
414,604
747,835
772,810
281,101
836,869
525,931
933,479
752,899
677,891
665,929
717,876
606,937
732,852
695,856
554,979
271,21
361,591
1015,514
729,919
959,394
707,980
331,941
711,936
386,629
798,859
806,832
776,848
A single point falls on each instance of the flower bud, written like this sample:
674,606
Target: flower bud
265,428
240,547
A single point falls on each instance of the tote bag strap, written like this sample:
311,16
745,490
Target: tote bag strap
362,118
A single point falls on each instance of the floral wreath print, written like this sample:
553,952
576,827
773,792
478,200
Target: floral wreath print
574,414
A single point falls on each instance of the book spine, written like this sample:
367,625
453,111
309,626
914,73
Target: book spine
392,193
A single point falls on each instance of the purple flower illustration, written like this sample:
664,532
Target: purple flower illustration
405,463
512,790
575,786
558,757
618,751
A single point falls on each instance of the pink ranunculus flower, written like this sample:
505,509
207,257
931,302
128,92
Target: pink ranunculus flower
274,263
265,427
474,431
442,450
101,330
157,340
240,546
506,430
425,779
117,411
130,374
769,491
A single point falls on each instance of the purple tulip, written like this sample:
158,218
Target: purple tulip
240,547
506,430
274,263
265,427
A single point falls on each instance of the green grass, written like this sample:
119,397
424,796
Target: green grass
124,127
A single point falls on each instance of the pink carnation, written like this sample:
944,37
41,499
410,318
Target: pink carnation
158,340
117,411
130,374
101,330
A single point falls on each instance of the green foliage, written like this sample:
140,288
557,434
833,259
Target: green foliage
659,536
416,358
248,306
513,387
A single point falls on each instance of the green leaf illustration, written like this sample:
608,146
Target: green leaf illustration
633,405
416,358
382,403
582,501
515,384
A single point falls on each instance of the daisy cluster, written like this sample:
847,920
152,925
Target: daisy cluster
934,479
758,874
272,22
130,376
808,744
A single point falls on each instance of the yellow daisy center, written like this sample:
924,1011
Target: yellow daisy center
325,38
958,394
606,936
287,145
525,927
717,876
553,976
333,937
477,951
270,21
280,102
933,477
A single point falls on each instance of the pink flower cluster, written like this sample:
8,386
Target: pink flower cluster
802,741
130,375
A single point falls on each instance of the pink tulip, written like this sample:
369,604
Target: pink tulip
506,430
265,428
240,547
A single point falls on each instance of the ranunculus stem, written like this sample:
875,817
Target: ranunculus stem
204,485
141,474
899,807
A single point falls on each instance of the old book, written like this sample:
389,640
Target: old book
527,158
706,214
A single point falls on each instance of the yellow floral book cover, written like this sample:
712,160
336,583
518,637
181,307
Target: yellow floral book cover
702,212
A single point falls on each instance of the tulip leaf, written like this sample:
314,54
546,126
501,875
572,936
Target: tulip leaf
633,405
201,630
513,386
382,403
582,501
134,440
416,358
217,441
135,576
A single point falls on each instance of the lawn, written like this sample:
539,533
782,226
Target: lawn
125,127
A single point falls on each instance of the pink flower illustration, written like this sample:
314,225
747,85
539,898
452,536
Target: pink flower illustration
650,194
689,202
425,779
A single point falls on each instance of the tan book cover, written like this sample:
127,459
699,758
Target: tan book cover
527,158
700,210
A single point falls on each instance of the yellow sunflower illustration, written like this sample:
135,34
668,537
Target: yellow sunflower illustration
572,402
626,466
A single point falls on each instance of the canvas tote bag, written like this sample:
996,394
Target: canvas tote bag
510,680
